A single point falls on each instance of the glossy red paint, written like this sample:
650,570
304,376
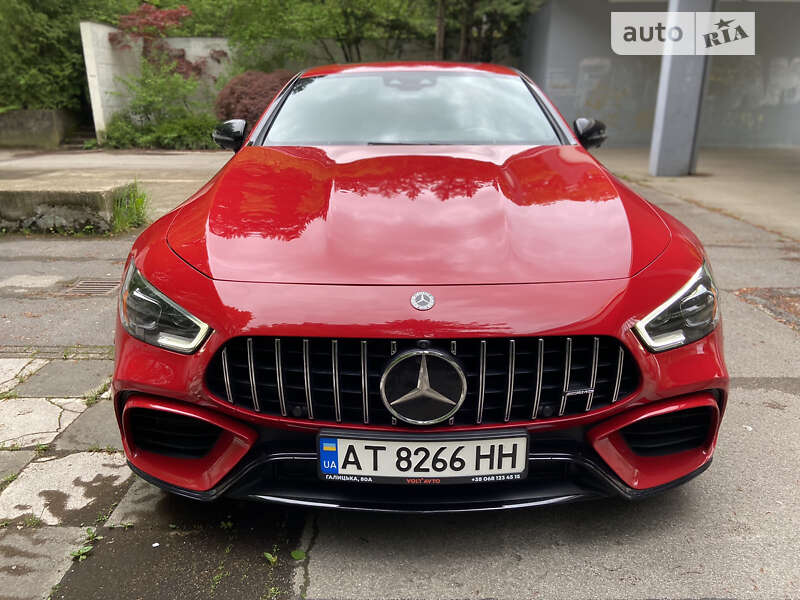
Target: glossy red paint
332,242
240,308
642,472
193,474
416,216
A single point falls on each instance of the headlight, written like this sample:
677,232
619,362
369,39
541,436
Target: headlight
150,316
686,317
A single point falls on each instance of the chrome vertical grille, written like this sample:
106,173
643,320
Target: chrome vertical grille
512,355
226,376
279,377
337,403
537,394
307,381
593,378
364,382
337,380
252,370
481,383
567,376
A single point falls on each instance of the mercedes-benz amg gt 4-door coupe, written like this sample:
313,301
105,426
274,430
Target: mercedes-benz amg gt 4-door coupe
412,288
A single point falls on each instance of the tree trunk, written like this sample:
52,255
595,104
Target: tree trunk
327,50
467,18
440,26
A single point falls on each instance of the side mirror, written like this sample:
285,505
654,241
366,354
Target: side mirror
591,133
230,134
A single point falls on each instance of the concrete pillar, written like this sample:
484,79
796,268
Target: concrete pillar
673,146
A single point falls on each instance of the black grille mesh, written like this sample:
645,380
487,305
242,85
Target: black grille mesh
670,433
172,435
616,376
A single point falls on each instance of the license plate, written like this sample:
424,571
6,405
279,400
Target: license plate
423,461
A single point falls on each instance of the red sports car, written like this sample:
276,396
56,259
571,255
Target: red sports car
413,289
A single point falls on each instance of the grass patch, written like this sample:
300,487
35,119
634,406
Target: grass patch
105,515
42,449
130,209
81,553
107,450
5,481
93,398
31,522
220,574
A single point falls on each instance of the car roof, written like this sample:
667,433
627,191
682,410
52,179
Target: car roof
408,66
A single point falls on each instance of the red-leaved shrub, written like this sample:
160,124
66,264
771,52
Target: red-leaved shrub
247,95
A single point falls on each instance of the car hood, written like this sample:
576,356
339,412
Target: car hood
416,215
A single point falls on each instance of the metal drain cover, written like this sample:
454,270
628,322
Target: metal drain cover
93,287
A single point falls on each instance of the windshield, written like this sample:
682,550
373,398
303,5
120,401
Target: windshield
411,107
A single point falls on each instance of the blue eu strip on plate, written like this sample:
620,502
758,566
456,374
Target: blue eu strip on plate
328,455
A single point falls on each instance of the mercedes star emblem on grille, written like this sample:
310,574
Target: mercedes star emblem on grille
423,387
422,300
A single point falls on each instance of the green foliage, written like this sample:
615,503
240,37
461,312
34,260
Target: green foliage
42,449
40,42
159,92
42,64
81,553
483,29
8,479
31,522
164,112
168,106
130,209
187,132
265,35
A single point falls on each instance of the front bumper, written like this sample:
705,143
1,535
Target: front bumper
273,458
277,465
587,480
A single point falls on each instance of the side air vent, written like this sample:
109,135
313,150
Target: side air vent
670,433
172,435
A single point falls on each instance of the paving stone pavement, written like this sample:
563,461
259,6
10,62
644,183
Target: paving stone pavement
33,561
61,470
60,491
67,378
13,371
35,421
731,533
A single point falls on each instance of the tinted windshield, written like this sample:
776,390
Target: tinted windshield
411,107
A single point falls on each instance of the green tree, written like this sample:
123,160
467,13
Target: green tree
42,65
166,108
264,33
485,26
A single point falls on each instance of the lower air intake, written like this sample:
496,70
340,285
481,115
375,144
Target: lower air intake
169,434
670,433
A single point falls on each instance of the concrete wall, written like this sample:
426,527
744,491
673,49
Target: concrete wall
106,66
755,100
34,128
750,101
